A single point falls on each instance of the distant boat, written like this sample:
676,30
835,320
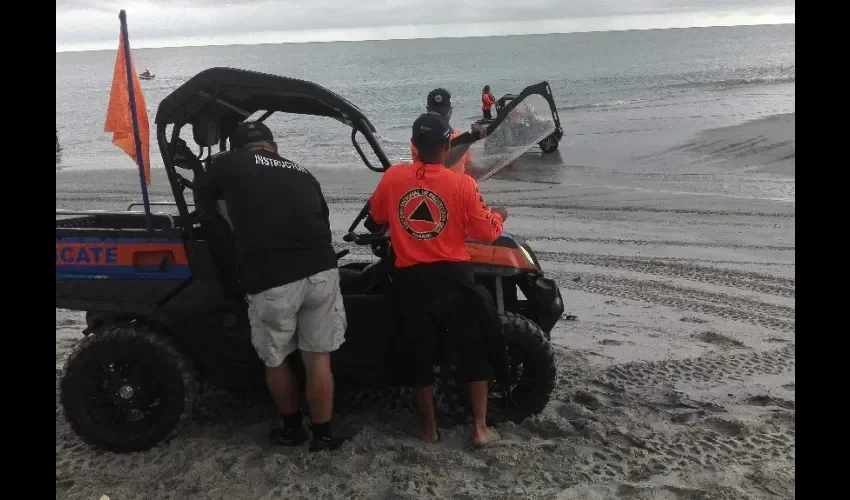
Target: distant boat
146,76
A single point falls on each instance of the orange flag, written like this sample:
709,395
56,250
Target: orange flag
119,118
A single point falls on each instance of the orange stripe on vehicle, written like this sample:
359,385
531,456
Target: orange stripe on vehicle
120,254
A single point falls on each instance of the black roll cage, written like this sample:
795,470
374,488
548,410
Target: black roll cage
508,102
223,97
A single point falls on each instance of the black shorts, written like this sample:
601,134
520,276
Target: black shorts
437,306
487,114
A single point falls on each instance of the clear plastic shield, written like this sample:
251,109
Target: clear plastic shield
523,128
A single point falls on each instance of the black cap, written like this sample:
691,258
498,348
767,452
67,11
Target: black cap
439,100
248,132
431,129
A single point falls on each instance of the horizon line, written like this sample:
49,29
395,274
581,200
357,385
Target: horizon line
444,37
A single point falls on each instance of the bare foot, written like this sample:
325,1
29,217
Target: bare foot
481,440
429,436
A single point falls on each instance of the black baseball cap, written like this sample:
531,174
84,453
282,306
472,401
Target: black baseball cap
431,129
248,132
439,100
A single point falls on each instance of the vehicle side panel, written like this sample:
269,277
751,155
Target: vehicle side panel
218,332
365,357
117,271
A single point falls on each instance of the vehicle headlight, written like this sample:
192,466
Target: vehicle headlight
527,256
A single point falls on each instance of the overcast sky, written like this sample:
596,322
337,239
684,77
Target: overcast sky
93,24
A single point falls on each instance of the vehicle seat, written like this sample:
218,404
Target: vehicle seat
218,231
353,281
222,211
222,245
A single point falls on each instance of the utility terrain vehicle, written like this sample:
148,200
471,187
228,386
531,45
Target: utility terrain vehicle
165,310
528,114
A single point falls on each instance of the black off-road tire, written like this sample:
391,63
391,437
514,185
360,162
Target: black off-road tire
161,378
523,335
549,144
524,340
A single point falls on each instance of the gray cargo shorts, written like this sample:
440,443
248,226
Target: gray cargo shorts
307,314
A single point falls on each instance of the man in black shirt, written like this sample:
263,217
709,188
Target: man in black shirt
289,271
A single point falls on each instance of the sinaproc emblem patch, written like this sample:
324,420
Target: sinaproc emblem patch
422,214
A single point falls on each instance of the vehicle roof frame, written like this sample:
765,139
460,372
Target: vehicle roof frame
229,96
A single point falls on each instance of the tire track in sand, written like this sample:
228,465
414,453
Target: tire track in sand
703,435
756,282
736,308
705,369
556,204
660,243
639,459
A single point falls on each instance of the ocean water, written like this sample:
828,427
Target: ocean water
621,95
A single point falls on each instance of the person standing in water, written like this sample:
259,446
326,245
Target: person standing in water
487,102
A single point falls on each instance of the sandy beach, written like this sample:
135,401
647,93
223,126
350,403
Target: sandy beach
675,382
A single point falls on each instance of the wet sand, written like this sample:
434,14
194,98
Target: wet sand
675,382
768,145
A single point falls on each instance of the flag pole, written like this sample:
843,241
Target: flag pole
136,136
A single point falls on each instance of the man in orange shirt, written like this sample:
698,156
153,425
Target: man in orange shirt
431,212
440,101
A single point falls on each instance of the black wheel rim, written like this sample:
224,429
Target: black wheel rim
123,395
504,401
523,374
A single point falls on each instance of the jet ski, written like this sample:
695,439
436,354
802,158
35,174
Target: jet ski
146,75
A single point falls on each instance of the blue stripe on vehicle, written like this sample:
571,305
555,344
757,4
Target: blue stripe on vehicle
148,272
